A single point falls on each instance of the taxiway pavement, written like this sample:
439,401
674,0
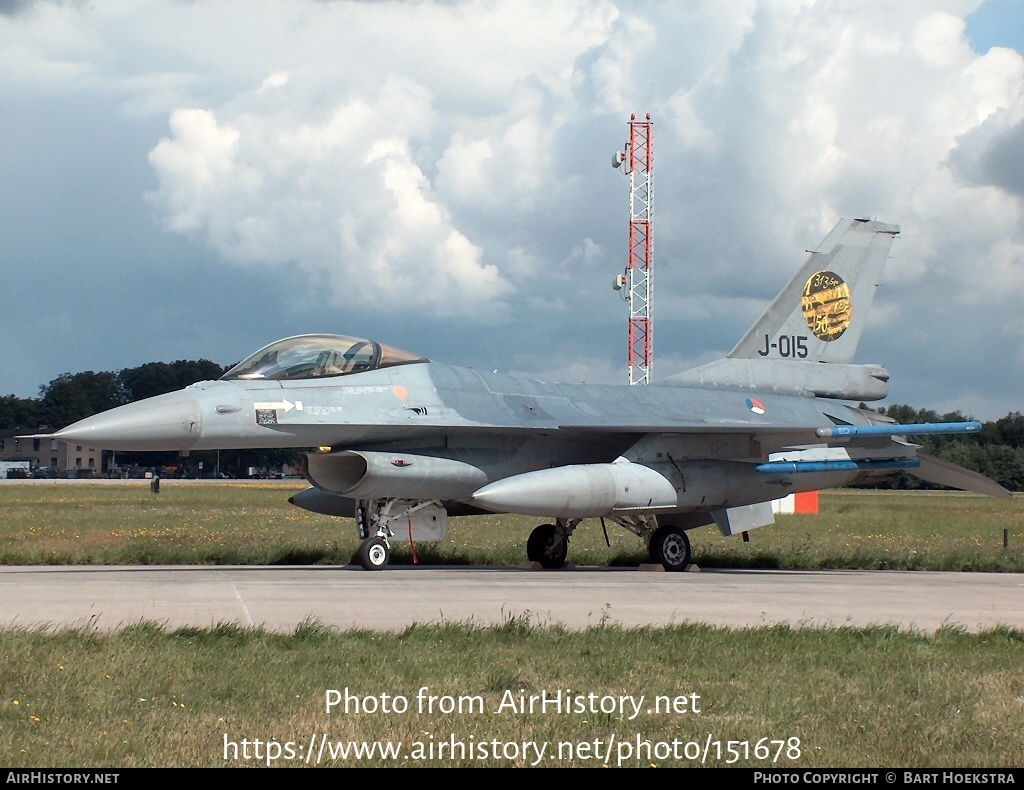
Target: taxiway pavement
280,598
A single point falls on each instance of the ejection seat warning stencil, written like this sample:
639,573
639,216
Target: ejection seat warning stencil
266,412
266,416
826,305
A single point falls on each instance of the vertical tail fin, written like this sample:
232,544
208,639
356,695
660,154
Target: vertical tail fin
820,314
818,317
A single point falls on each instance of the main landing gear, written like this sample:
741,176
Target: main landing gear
670,548
549,543
667,544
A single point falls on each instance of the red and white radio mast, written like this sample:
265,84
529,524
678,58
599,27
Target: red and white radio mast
639,160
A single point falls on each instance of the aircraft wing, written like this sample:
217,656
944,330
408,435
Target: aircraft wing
784,435
843,448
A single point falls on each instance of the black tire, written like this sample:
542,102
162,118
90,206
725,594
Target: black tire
546,546
670,548
374,554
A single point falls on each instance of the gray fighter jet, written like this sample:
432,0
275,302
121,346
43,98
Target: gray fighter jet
405,442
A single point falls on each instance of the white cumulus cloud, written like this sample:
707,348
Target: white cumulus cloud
450,159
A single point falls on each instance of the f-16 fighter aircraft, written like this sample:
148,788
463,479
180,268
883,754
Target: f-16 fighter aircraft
405,442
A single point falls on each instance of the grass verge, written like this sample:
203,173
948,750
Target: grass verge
146,696
253,524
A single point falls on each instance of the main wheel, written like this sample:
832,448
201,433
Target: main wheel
670,548
374,554
547,547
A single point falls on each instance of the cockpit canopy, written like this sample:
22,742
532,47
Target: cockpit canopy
319,356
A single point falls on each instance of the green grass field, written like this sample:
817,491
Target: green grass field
768,697
253,523
783,697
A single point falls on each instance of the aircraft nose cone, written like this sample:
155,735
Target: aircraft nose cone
166,422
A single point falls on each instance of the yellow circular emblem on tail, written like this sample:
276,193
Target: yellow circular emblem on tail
826,305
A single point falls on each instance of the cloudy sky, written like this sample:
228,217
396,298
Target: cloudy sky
184,180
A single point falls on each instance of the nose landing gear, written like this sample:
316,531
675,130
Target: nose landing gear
374,553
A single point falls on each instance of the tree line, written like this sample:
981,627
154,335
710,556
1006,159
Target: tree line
996,452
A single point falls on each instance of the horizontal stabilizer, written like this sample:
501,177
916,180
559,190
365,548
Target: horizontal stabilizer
935,470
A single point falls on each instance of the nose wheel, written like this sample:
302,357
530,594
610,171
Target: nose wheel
374,553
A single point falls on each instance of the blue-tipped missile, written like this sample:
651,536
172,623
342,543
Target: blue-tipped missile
850,431
805,467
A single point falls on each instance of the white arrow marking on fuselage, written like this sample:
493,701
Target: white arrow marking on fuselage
284,405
